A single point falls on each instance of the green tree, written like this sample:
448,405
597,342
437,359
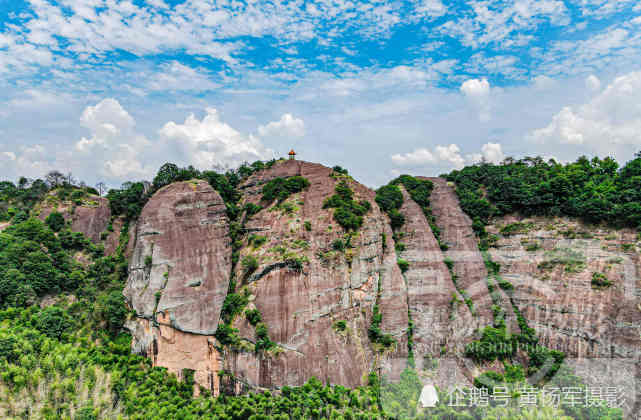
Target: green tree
55,221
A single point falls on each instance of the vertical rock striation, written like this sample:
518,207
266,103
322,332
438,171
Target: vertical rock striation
179,275
301,308
468,264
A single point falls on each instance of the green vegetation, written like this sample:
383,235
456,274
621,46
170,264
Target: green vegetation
337,170
282,188
376,336
404,265
347,212
600,281
338,245
71,360
251,209
390,199
249,264
595,190
253,316
256,241
20,199
308,225
340,325
572,260
34,261
516,228
84,380
495,343
532,246
263,343
55,221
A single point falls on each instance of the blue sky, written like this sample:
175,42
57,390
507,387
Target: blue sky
111,89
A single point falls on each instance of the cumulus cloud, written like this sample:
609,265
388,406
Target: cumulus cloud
477,91
115,151
609,122
418,157
210,142
543,82
114,141
449,155
490,152
30,161
287,126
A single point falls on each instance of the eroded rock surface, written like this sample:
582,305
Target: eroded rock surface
301,308
182,258
468,264
552,264
91,217
181,266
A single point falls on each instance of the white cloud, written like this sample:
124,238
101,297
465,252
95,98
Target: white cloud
210,142
451,154
418,157
592,83
430,8
494,21
476,88
114,147
543,82
178,77
424,157
8,155
609,123
287,126
115,150
490,152
478,93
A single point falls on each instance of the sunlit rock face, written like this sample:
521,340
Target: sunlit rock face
318,314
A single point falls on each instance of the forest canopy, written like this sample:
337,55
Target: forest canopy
595,190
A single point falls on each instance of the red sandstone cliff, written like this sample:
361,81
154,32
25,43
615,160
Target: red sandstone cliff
91,216
301,308
178,292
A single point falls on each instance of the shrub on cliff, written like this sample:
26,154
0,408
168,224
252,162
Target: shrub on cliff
282,188
249,264
404,265
600,281
389,197
253,316
348,213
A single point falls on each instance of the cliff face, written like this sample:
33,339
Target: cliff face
179,276
91,216
318,312
300,308
182,258
579,287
